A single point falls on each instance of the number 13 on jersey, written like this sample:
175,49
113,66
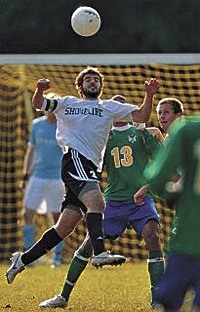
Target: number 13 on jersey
122,156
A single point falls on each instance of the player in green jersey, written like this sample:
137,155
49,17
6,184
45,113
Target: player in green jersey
128,150
168,110
183,266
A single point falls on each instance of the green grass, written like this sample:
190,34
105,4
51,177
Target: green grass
111,289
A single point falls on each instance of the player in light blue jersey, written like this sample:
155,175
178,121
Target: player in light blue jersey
42,184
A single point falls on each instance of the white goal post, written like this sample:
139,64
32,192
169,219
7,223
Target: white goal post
101,59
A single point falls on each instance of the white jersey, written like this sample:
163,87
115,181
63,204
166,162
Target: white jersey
85,124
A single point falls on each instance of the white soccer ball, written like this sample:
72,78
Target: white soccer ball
85,21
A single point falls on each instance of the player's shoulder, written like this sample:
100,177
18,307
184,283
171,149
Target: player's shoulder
112,105
69,99
185,125
65,100
190,128
113,102
192,121
107,102
133,129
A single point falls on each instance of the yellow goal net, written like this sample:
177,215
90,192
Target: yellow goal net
17,85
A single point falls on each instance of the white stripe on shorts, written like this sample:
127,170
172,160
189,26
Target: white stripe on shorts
78,165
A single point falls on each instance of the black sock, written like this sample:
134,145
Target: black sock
94,225
48,240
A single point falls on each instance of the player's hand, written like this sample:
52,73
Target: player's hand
152,86
43,84
139,196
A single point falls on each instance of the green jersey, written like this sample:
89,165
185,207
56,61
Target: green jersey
128,151
181,151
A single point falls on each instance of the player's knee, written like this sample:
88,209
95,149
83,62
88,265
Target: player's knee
94,202
151,234
152,239
63,232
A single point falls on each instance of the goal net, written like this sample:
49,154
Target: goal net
178,75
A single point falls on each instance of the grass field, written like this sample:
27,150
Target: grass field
111,289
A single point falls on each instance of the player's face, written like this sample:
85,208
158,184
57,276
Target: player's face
91,86
166,116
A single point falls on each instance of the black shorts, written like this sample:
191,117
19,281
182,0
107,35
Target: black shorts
79,176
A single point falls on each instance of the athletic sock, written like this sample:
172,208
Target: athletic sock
94,226
29,235
76,267
155,268
49,240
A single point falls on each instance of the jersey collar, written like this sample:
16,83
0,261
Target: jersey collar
121,128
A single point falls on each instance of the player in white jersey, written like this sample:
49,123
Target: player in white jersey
125,143
83,126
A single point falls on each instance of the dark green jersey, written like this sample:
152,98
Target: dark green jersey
127,153
182,151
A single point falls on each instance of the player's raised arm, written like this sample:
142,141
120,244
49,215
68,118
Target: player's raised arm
42,85
143,113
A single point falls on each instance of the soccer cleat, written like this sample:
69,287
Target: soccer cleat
16,267
55,302
105,258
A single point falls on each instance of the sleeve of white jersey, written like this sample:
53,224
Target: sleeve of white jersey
50,102
123,112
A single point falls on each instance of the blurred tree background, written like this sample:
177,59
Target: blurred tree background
128,26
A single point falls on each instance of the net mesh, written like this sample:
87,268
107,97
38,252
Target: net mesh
16,88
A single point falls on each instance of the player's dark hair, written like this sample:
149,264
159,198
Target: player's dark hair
88,70
176,105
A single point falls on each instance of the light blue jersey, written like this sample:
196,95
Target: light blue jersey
48,153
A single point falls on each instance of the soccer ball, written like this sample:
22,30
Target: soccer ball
85,21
